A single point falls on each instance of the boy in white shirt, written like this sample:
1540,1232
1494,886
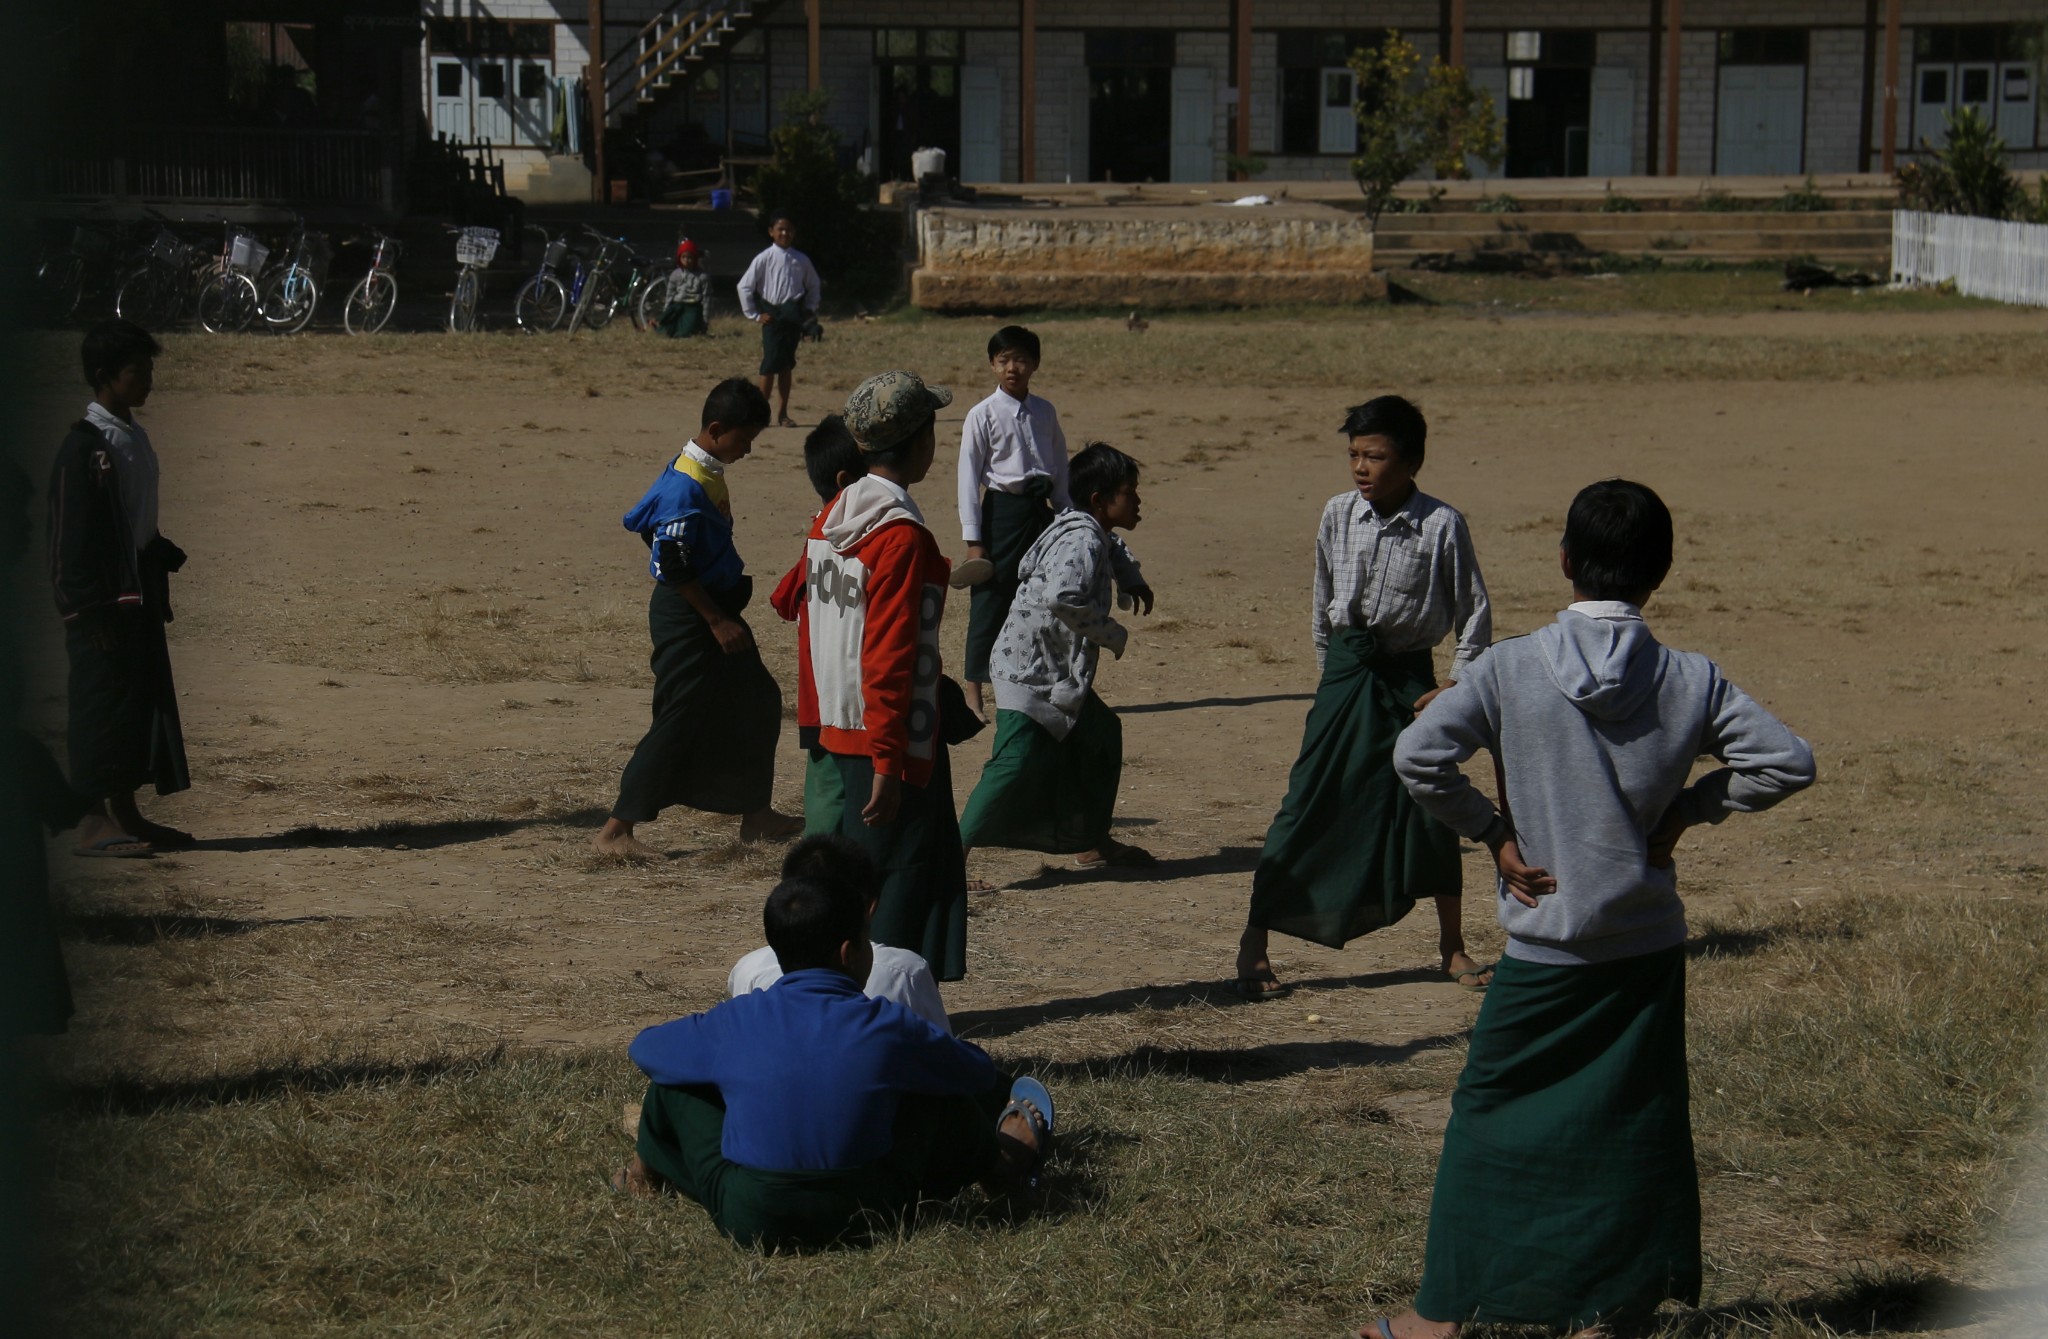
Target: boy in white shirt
780,293
1013,480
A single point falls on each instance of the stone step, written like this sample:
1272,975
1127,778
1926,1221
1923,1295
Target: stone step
1845,220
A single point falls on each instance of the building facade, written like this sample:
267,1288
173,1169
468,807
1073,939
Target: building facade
1149,90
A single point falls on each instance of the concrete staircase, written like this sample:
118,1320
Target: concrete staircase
1858,237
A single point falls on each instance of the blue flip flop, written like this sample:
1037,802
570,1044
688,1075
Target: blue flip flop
1029,1099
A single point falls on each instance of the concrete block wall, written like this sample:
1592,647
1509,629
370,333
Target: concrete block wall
1834,99
1059,55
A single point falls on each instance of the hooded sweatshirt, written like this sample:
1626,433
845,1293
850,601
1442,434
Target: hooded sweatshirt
1596,726
875,592
1044,659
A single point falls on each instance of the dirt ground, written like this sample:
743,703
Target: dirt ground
411,646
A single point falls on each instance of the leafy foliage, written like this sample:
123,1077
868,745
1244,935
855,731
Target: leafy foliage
845,236
1967,175
1620,204
1406,124
1500,203
1807,199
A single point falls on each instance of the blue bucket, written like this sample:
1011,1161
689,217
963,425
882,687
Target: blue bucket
721,198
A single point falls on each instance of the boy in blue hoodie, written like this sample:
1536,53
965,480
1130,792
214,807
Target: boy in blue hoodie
809,1113
1567,1195
717,710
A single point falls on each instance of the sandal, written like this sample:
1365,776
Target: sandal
118,847
1476,987
1029,1099
1258,988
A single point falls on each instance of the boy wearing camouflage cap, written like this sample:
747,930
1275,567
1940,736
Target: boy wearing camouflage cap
877,591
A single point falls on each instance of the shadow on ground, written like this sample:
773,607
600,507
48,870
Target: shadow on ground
1228,860
401,835
1199,703
136,928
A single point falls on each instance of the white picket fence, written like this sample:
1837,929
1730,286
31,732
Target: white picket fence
1983,258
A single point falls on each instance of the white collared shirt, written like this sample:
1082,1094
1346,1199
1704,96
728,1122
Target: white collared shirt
898,975
775,276
1614,611
702,457
1003,444
1409,578
135,468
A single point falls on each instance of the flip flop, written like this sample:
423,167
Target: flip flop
971,572
1381,1329
1258,989
1477,988
1029,1099
118,848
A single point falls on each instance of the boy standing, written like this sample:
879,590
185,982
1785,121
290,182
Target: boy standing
1013,480
110,570
688,290
1570,1123
1395,572
800,1115
780,293
717,711
1051,782
876,594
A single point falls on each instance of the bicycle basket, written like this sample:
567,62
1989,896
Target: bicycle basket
90,243
246,255
386,254
476,246
557,249
169,249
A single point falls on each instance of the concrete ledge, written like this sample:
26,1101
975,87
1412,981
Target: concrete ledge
940,290
1173,256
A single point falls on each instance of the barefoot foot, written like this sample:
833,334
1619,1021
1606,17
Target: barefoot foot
636,1178
770,826
623,846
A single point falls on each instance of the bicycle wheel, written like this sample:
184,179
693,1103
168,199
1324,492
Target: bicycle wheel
653,301
228,303
288,300
59,284
462,307
540,304
604,301
370,304
149,297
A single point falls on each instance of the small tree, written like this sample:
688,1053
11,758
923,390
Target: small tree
1406,123
1967,175
829,204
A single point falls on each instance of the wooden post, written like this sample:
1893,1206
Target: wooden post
1674,29
1027,90
814,67
598,98
1891,85
1456,54
1241,142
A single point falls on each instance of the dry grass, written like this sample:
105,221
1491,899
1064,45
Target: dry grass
1859,1079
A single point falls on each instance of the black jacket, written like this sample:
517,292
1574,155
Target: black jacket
94,564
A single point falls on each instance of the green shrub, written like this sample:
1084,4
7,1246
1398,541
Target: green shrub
1720,202
1806,199
1498,204
1967,175
1406,123
1620,204
851,241
1245,165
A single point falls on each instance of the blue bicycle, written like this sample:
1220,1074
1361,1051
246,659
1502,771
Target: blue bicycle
544,299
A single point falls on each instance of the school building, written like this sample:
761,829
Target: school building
1183,90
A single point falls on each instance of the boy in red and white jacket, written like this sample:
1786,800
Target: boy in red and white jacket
875,592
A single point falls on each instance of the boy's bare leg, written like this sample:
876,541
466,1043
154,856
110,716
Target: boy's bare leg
637,1178
1254,970
766,825
123,811
1450,930
974,700
1017,1144
782,383
616,838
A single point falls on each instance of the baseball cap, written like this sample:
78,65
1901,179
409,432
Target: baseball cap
887,408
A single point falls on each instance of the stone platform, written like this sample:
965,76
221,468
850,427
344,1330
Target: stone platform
1146,257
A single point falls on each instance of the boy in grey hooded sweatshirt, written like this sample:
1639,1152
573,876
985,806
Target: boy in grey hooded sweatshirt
1573,1108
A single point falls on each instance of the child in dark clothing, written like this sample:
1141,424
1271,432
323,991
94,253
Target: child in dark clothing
717,710
110,568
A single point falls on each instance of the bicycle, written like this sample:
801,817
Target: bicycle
154,293
67,274
475,249
228,301
542,300
371,302
597,297
292,290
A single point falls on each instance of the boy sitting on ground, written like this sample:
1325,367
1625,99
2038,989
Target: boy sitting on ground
1570,1123
1051,782
807,1113
898,974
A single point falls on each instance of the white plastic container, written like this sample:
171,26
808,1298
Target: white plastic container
928,163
